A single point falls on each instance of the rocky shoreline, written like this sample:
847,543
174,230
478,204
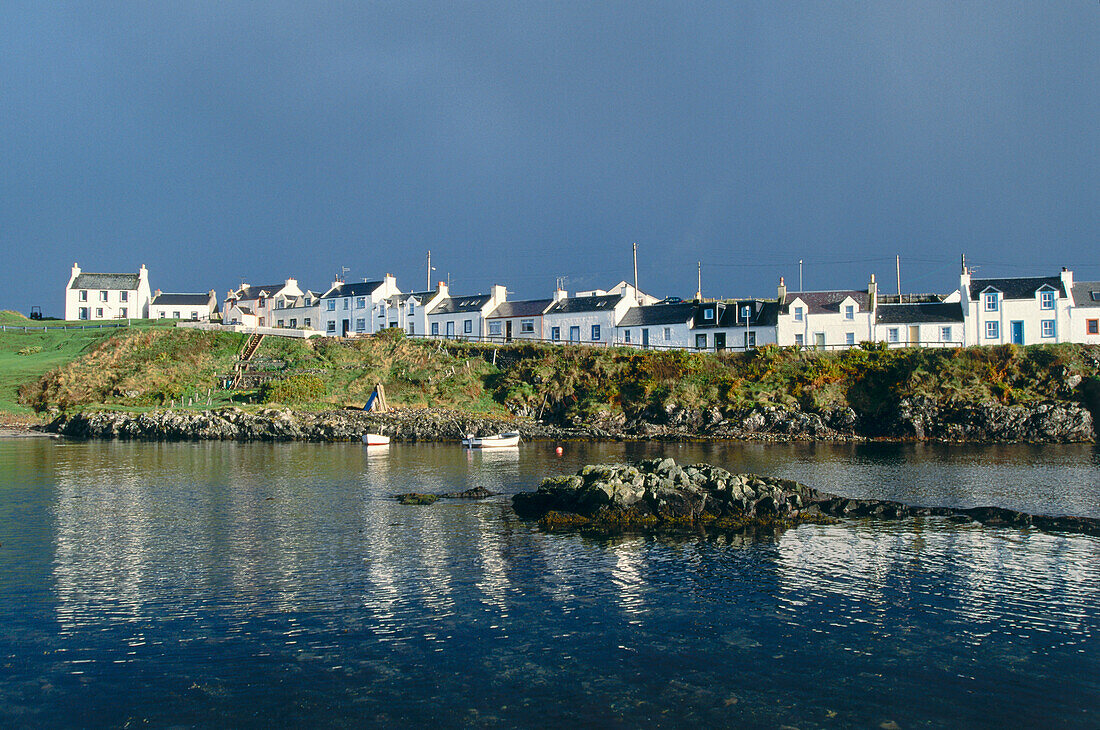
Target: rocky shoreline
1050,422
660,495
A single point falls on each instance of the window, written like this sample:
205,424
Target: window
668,334
122,313
849,312
83,295
494,328
278,323
381,312
746,312
175,315
819,340
293,323
332,326
347,302
626,335
194,315
468,326
361,324
307,322
893,335
799,341
945,334
992,330
83,313
798,314
849,338
124,296
331,305
555,334
279,303
1048,328
1046,300
360,302
575,334
750,340
450,329
990,301
162,315
1092,326
708,313
435,329
261,302
412,308
527,326
701,342
595,333
412,328
99,312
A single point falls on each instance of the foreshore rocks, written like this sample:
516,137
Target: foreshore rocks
269,424
659,494
918,419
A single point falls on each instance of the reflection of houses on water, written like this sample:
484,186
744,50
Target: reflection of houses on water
626,576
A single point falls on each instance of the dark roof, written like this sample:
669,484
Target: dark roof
700,321
420,295
356,289
656,314
244,310
600,303
454,305
1023,287
762,314
1086,294
919,312
166,299
253,291
124,282
827,302
526,308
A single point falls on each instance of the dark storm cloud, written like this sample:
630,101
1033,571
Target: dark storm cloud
522,141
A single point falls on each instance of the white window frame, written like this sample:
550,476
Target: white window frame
495,328
124,296
799,314
555,334
989,300
668,334
945,333
122,313
331,305
992,330
849,338
527,326
849,312
1048,328
701,341
82,296
799,340
626,336
1046,300
360,324
893,335
331,328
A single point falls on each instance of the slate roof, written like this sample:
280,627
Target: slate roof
252,291
763,314
1086,294
355,289
570,305
166,299
1023,287
657,314
422,296
918,312
121,282
525,308
827,302
455,305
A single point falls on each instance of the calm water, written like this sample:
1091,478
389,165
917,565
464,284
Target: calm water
217,585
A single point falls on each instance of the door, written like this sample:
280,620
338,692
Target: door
819,340
345,326
914,335
574,334
645,338
1017,333
719,341
508,331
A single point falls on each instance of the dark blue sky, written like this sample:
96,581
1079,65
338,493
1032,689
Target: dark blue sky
216,141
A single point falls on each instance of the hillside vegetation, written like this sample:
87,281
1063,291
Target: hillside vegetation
141,368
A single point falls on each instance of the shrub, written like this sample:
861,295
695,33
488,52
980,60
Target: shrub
294,389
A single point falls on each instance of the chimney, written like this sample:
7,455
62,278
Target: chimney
443,289
390,283
560,294
143,273
500,293
157,293
782,291
1067,280
872,293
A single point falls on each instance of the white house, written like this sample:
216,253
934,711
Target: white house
930,323
464,317
255,305
299,313
358,308
520,320
735,324
1019,310
107,296
620,288
590,319
412,308
1085,314
826,319
662,325
195,307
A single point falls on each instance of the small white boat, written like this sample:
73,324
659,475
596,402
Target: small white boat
376,439
487,442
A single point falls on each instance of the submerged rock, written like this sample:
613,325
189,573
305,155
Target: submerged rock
660,494
421,498
416,498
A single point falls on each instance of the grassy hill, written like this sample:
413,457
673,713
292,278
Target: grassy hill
145,367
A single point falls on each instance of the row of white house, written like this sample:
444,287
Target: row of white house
1025,310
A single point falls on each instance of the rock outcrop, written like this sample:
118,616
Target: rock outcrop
659,494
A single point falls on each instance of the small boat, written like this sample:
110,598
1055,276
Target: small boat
376,439
486,442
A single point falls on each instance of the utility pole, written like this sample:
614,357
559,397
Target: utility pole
800,275
964,263
897,264
699,289
428,287
637,297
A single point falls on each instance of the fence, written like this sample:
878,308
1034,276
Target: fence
274,331
46,328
